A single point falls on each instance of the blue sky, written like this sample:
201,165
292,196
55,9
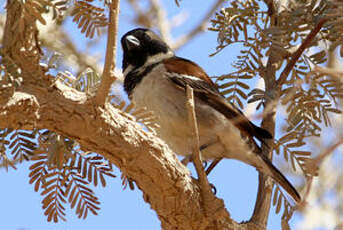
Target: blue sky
236,183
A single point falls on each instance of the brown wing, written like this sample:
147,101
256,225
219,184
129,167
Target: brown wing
207,91
187,67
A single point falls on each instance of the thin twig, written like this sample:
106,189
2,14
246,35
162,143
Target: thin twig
303,203
205,188
319,159
213,165
329,71
197,29
162,21
194,128
299,51
108,75
163,24
316,163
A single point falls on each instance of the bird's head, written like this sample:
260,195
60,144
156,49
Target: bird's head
142,46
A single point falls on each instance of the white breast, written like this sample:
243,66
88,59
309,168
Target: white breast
160,95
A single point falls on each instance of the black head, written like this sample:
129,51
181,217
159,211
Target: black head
139,45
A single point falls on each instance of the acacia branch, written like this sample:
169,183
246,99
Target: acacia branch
209,202
296,55
108,75
164,26
166,184
44,102
71,55
328,151
265,183
328,71
316,163
196,157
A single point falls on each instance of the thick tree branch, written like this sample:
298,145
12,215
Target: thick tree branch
296,55
108,75
165,182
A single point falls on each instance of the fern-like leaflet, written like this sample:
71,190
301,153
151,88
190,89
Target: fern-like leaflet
64,175
89,18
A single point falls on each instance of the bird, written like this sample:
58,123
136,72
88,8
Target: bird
156,79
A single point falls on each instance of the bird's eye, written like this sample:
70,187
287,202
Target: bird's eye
147,37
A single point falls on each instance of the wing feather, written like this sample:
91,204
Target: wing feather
207,91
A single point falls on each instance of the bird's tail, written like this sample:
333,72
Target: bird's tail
280,179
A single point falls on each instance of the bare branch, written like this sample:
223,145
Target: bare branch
296,55
329,150
205,188
108,75
80,60
162,21
212,165
197,29
303,203
316,162
329,71
195,131
265,184
164,26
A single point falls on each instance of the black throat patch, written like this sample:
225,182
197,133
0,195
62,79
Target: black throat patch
134,77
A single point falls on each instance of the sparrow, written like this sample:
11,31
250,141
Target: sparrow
155,78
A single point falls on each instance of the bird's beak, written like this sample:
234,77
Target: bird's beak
131,41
